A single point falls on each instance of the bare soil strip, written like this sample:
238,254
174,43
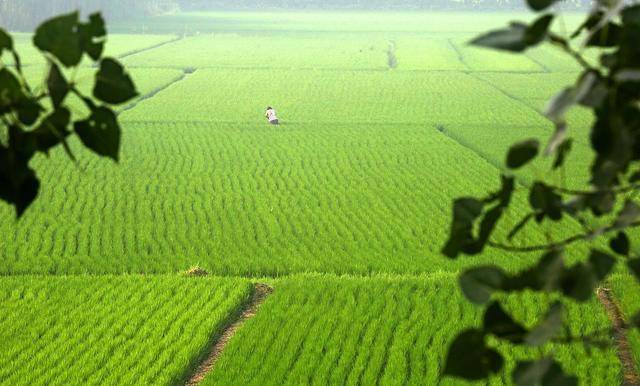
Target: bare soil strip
629,372
260,293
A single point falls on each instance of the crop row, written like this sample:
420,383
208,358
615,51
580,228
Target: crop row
330,97
327,330
242,199
110,330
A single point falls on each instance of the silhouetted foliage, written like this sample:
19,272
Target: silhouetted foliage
35,121
611,89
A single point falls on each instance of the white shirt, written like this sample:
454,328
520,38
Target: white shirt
271,115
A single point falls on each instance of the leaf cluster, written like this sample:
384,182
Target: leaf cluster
611,89
35,122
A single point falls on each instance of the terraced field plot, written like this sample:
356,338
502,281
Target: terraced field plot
330,330
110,330
148,81
284,51
329,97
241,199
357,181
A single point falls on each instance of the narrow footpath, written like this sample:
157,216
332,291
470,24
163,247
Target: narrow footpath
260,293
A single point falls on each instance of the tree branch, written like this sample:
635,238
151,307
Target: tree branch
562,243
564,45
619,190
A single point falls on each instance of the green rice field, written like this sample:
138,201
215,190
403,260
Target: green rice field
343,208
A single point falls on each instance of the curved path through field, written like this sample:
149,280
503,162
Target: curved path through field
260,293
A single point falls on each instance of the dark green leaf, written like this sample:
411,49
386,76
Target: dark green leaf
591,21
469,357
635,318
18,182
563,150
509,39
545,276
629,214
556,377
620,244
487,226
53,130
531,373
113,85
491,218
548,273
545,372
28,111
591,90
537,31
57,85
601,203
6,43
609,60
587,90
635,177
546,202
500,324
548,328
479,283
97,25
631,15
634,267
465,212
601,263
93,36
59,36
100,132
578,282
607,36
575,205
539,5
11,93
522,152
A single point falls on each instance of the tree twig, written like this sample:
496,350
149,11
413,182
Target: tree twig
559,244
619,190
564,45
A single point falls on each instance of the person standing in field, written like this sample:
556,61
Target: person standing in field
270,114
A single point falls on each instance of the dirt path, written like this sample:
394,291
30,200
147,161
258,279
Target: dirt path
260,293
629,372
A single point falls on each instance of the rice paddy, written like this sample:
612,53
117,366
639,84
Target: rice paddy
342,209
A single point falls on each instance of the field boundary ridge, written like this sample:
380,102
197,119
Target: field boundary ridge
149,48
250,309
630,375
154,92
